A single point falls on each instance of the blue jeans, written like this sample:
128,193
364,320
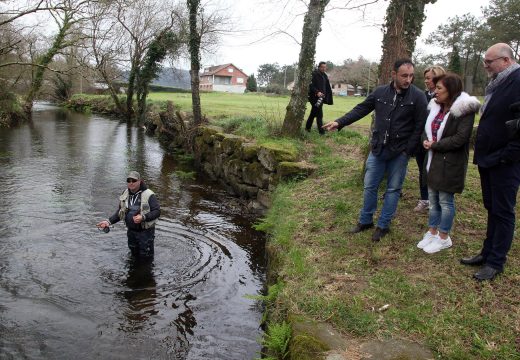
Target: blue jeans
442,210
377,167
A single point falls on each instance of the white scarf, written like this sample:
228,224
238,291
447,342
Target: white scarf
434,110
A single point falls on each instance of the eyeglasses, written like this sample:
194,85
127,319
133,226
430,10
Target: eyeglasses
490,61
131,180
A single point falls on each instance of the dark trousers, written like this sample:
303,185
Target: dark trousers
141,243
316,112
499,188
423,186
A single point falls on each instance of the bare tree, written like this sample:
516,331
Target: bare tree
66,15
105,49
12,10
120,35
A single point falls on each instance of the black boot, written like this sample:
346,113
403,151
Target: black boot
379,233
361,227
486,273
476,260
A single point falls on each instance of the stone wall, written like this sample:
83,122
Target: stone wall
243,167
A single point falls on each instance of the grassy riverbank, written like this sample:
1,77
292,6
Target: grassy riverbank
329,275
319,271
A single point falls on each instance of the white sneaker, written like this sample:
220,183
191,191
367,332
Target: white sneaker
438,245
427,239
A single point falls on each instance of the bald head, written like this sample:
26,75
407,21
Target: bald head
502,49
498,58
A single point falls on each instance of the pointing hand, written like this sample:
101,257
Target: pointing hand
330,126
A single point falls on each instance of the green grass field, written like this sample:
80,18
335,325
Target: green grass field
221,105
258,105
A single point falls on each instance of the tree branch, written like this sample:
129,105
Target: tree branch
33,65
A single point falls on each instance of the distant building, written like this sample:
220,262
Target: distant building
225,78
342,89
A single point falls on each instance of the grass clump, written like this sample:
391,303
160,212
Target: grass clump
276,341
185,175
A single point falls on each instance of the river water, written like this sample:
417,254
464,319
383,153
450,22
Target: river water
69,291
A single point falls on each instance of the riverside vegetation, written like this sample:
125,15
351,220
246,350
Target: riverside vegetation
387,290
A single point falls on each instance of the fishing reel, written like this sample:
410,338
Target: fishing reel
105,229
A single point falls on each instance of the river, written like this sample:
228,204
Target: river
69,291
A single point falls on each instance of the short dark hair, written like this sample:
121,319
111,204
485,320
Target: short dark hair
322,63
402,62
453,83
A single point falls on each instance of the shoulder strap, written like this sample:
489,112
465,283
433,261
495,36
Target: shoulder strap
124,195
145,195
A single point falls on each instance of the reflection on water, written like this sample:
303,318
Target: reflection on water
69,291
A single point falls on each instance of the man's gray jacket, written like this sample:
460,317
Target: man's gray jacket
399,120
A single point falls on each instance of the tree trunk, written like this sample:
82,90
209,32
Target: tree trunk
131,89
142,94
194,47
311,29
44,61
403,24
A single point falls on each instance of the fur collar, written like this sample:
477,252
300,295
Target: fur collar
463,105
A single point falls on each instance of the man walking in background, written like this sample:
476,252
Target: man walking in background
497,154
400,114
320,93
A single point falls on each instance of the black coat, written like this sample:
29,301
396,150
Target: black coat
399,123
428,96
450,154
320,83
492,145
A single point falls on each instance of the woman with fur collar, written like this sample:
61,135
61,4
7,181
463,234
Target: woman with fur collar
447,134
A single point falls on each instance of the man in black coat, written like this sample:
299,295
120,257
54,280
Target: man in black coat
400,114
498,158
320,93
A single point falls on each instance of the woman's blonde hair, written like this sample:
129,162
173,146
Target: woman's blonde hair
436,70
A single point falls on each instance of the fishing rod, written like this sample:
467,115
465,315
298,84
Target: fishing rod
105,229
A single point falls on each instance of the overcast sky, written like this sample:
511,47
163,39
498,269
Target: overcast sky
345,34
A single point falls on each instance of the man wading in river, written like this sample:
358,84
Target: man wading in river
139,208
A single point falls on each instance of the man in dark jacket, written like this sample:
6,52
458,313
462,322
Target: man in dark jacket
399,122
319,93
498,158
139,208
